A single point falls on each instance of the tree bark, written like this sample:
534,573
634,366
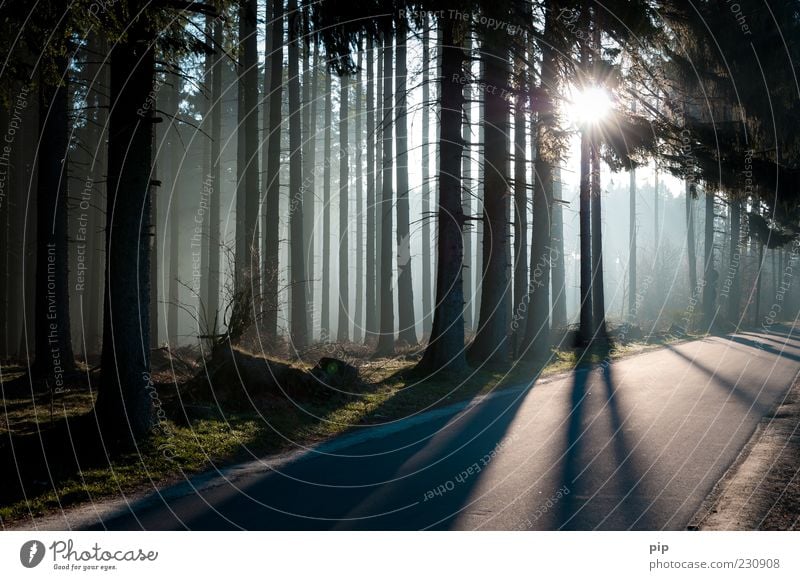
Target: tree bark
559,281
518,320
709,273
53,346
124,406
386,337
632,306
372,314
325,311
343,334
273,176
427,291
297,270
445,350
359,213
405,288
734,291
468,274
491,344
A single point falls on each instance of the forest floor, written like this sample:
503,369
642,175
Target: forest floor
67,469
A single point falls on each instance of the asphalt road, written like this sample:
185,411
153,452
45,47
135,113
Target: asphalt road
637,445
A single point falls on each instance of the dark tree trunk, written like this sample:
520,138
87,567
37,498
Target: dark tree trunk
518,320
598,294
250,126
54,357
372,313
325,312
468,273
385,346
445,350
176,153
405,288
273,176
343,334
586,326
559,281
491,344
709,272
633,313
124,405
309,166
538,324
690,237
211,325
735,288
297,270
427,291
359,213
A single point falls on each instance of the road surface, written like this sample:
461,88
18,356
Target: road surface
636,445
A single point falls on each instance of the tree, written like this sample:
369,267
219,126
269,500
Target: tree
325,312
54,357
385,346
297,271
598,293
359,174
586,325
215,110
405,292
273,175
520,206
547,157
124,405
445,350
371,314
343,334
427,291
491,344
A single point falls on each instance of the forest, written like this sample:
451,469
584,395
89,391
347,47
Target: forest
232,227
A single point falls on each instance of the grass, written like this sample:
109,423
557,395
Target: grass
214,437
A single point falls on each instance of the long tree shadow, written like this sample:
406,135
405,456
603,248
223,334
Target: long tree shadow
764,347
719,379
403,482
600,468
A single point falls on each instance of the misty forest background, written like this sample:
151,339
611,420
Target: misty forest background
369,180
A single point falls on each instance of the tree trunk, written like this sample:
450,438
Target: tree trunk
177,153
518,320
343,335
709,273
385,346
559,281
427,291
325,309
734,290
54,356
468,269
309,161
250,125
372,314
405,287
273,177
491,344
598,293
124,405
445,350
586,325
211,322
359,213
297,270
633,313
537,338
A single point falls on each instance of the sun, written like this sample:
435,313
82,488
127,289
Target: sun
589,106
